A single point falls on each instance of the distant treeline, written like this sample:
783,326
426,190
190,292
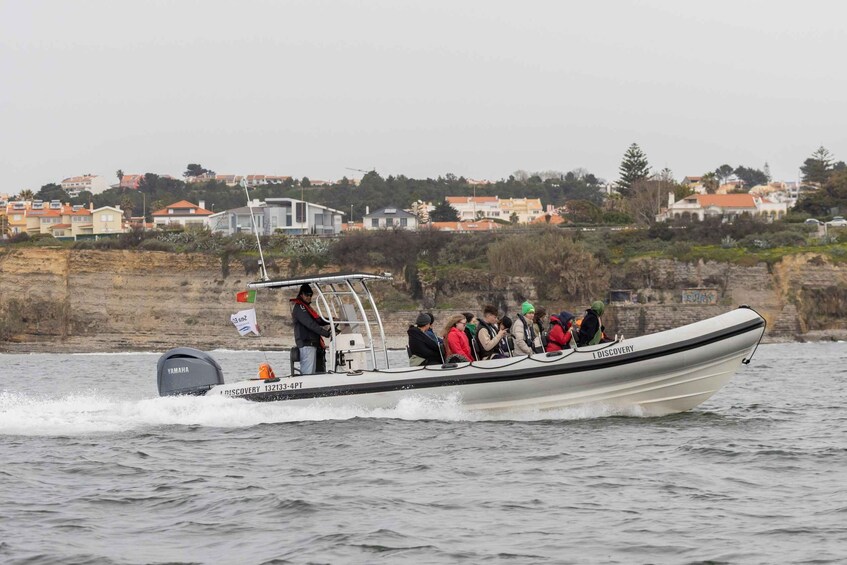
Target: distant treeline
373,191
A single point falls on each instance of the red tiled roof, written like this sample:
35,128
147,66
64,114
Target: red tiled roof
470,199
555,219
725,200
477,225
60,226
186,205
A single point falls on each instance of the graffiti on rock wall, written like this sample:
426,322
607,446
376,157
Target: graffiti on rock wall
700,296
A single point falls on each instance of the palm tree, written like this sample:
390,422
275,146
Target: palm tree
120,174
127,206
26,194
710,182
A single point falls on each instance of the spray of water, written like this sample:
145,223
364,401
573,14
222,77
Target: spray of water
93,413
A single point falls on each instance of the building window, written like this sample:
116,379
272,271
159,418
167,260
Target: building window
404,222
375,222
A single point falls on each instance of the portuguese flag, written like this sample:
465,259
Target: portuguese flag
246,296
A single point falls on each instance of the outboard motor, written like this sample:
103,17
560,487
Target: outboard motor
187,371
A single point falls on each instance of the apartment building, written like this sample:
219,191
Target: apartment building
92,183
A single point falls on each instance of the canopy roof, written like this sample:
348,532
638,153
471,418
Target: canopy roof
330,278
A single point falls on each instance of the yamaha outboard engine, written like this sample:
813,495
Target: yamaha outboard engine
187,371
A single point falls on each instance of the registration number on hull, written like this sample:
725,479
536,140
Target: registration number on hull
272,387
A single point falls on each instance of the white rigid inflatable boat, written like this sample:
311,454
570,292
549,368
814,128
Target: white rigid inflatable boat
653,375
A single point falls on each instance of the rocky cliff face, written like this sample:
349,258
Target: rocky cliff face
83,300
80,300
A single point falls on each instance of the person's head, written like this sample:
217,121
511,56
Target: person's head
431,318
540,313
528,310
566,318
506,322
470,318
457,321
305,293
422,321
598,307
489,314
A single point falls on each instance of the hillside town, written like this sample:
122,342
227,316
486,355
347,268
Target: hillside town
89,206
63,220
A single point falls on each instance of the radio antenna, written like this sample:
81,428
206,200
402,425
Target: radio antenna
256,231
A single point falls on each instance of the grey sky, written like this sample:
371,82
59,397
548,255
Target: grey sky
478,89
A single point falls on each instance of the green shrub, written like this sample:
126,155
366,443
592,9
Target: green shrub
558,265
155,245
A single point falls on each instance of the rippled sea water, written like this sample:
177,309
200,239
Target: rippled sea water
97,469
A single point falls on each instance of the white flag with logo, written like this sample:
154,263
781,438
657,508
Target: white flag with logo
245,321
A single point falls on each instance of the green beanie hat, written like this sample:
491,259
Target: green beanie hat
598,307
526,308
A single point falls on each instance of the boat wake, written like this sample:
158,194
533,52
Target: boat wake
93,413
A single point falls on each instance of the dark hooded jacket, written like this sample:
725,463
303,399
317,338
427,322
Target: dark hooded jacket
422,345
591,326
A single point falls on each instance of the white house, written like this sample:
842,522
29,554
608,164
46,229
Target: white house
184,213
469,207
390,218
727,206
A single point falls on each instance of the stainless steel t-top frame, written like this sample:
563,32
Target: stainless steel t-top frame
343,299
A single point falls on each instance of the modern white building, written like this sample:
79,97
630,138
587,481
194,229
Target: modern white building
472,207
279,215
92,183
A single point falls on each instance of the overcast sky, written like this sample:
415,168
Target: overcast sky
480,89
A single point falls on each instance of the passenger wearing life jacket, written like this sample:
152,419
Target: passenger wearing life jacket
522,330
540,327
471,324
591,329
561,331
490,337
309,331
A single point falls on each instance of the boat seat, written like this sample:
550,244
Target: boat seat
294,357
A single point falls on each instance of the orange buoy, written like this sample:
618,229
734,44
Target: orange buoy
265,371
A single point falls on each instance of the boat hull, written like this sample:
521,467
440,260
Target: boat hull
654,375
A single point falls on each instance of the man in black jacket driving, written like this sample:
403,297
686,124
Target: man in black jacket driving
309,331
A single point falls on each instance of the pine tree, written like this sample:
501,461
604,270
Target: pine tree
817,167
634,168
723,173
443,212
